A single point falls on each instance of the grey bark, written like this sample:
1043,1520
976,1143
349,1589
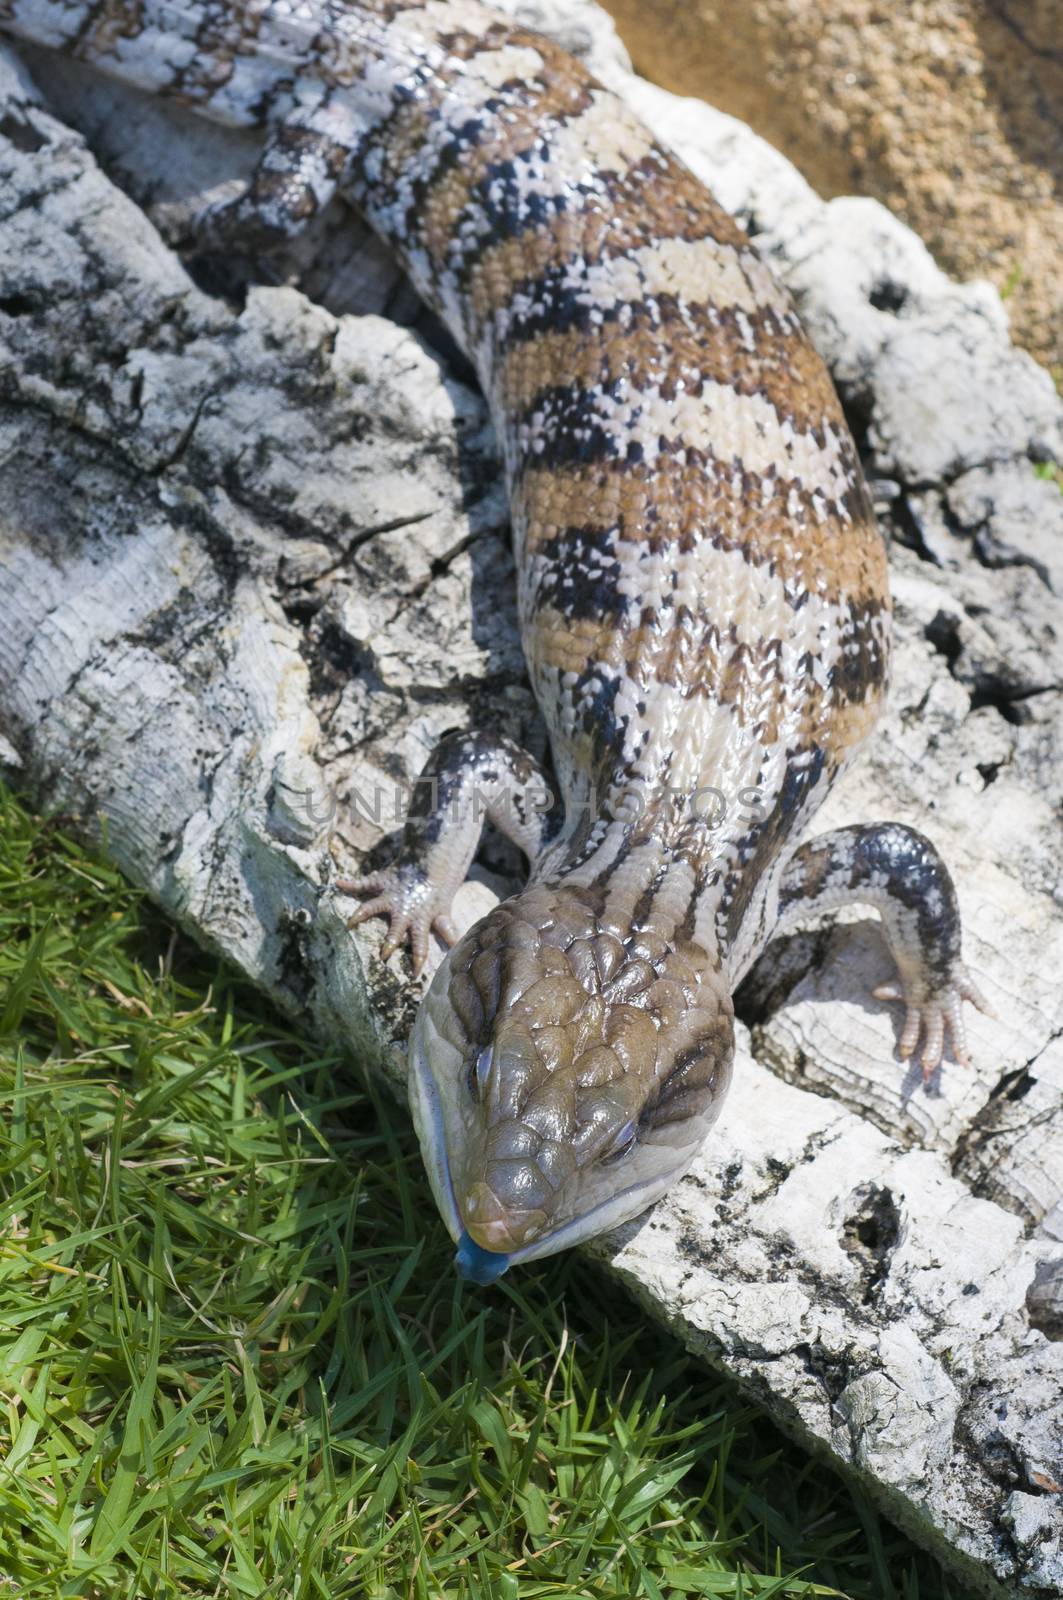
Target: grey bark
254,561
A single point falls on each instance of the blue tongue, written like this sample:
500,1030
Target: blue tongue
478,1265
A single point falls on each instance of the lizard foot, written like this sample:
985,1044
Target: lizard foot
413,905
936,1016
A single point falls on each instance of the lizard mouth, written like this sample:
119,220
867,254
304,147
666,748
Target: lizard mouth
485,1266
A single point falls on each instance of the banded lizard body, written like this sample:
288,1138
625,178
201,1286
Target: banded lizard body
703,590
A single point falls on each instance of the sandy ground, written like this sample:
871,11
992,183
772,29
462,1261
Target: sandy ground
949,111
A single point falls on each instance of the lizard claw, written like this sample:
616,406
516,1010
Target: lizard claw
404,895
936,1017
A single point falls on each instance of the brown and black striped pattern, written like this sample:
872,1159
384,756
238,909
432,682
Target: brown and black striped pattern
703,590
701,571
702,577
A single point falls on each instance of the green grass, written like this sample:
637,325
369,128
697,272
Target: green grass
1011,282
234,1358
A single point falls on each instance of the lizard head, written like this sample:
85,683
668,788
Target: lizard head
563,1075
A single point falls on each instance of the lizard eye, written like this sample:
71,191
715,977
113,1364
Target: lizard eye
480,1072
622,1145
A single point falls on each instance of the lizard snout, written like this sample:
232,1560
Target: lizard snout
494,1226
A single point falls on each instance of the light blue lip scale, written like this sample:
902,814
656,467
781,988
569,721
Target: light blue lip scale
477,1265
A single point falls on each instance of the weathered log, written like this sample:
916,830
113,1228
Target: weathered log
253,562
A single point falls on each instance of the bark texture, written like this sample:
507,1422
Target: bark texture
254,561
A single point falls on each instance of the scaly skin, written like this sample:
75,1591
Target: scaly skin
703,591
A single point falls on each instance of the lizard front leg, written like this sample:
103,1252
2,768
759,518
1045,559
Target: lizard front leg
898,871
469,779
